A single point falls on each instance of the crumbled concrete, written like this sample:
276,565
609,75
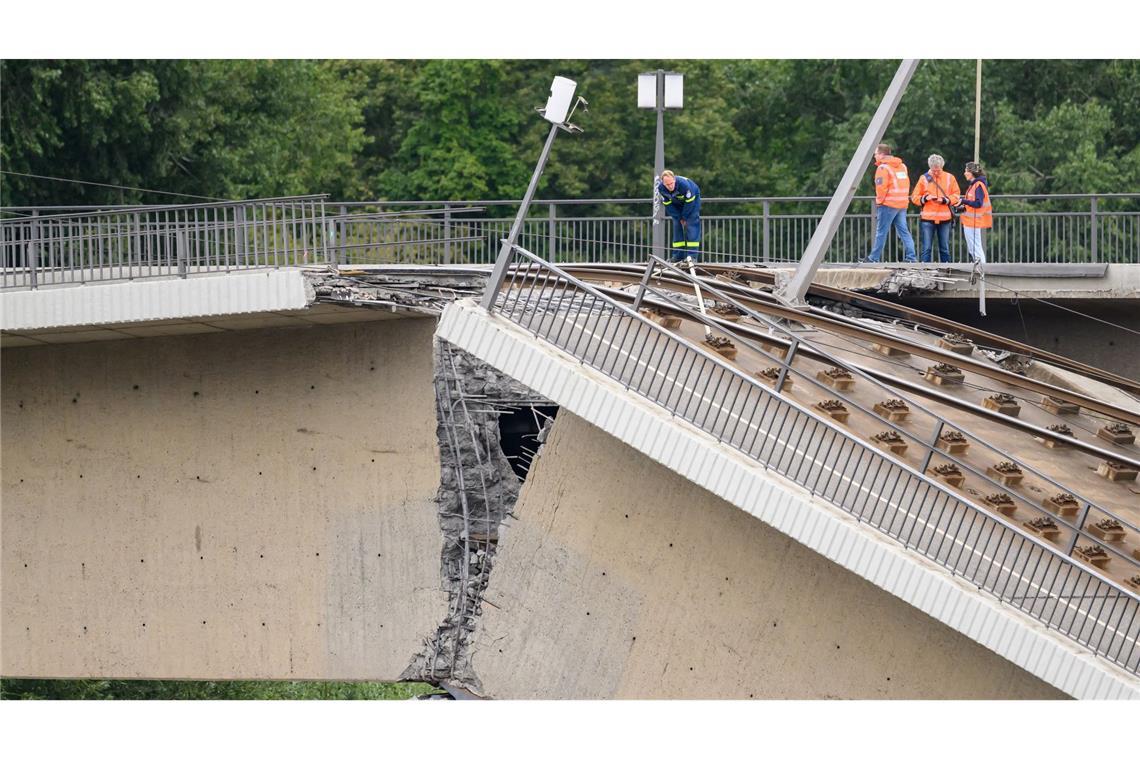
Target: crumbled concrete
478,490
424,290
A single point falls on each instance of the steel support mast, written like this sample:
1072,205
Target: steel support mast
795,290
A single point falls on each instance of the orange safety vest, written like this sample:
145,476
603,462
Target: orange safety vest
943,185
892,183
978,217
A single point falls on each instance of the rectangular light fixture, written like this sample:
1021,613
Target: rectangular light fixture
561,96
674,90
646,90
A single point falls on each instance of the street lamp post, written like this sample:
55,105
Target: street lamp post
559,107
660,90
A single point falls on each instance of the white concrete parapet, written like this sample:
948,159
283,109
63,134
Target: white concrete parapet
145,300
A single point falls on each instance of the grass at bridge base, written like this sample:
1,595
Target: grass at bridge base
58,688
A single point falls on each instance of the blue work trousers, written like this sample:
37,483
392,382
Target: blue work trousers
926,231
686,238
885,218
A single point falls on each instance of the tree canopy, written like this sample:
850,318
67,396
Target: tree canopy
466,129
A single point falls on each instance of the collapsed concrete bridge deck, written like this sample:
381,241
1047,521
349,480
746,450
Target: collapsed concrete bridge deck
327,563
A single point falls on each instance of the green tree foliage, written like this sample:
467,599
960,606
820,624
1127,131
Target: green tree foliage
466,129
227,129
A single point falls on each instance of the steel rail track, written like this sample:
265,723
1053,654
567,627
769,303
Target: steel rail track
980,337
819,318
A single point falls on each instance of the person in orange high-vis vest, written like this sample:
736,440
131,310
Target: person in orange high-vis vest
935,192
892,190
977,213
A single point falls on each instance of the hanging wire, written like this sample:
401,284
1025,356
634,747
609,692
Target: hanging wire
1018,295
115,187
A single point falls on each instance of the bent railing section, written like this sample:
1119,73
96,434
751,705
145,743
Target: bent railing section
783,436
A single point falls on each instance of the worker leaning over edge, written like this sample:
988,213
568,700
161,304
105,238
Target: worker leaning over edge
892,190
977,213
935,192
682,200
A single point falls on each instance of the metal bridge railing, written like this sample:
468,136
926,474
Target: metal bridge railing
776,432
1027,229
54,245
161,241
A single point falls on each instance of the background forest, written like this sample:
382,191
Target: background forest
466,129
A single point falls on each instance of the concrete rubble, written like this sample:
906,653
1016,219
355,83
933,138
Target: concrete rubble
478,490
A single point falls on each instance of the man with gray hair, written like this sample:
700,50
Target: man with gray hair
935,192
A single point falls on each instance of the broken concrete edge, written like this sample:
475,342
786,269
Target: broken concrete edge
477,492
784,505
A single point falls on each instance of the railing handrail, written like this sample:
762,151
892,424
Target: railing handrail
930,483
551,201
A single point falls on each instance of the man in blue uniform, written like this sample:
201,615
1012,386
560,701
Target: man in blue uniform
682,200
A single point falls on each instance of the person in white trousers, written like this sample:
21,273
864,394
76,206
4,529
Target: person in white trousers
976,211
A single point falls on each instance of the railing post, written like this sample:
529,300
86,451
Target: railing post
788,357
34,252
1080,523
180,252
767,233
649,267
240,259
329,252
1093,231
930,449
874,224
446,234
551,222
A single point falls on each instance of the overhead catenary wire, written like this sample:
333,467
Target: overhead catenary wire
1066,308
113,186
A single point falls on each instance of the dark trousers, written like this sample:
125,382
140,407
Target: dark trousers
687,238
926,232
